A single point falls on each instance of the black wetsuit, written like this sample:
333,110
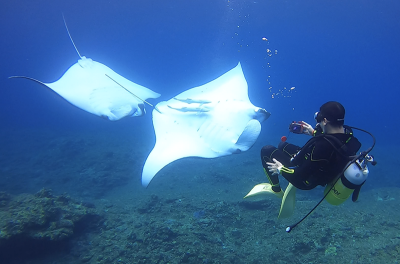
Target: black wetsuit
317,164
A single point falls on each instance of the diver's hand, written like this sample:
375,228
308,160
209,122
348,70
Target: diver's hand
275,167
307,128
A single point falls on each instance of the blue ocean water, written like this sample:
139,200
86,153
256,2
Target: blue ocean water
316,51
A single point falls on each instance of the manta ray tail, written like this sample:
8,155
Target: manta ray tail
144,101
73,43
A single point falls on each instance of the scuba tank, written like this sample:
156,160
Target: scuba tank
354,176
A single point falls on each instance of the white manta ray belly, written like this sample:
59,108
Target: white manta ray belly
209,121
87,85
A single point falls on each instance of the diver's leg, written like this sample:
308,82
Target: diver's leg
268,153
289,149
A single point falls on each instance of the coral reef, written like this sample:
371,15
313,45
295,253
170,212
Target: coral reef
42,219
160,229
181,230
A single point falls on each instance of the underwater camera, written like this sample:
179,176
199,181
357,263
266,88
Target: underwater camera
296,127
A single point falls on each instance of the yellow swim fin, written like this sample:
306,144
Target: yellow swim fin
263,189
288,202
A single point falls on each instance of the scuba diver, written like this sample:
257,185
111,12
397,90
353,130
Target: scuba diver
328,159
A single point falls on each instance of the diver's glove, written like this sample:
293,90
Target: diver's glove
307,128
275,167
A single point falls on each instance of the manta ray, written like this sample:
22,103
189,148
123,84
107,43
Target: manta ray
97,89
209,121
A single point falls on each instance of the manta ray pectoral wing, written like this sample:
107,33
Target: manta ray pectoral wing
28,78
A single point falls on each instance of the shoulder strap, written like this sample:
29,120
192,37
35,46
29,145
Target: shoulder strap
339,146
